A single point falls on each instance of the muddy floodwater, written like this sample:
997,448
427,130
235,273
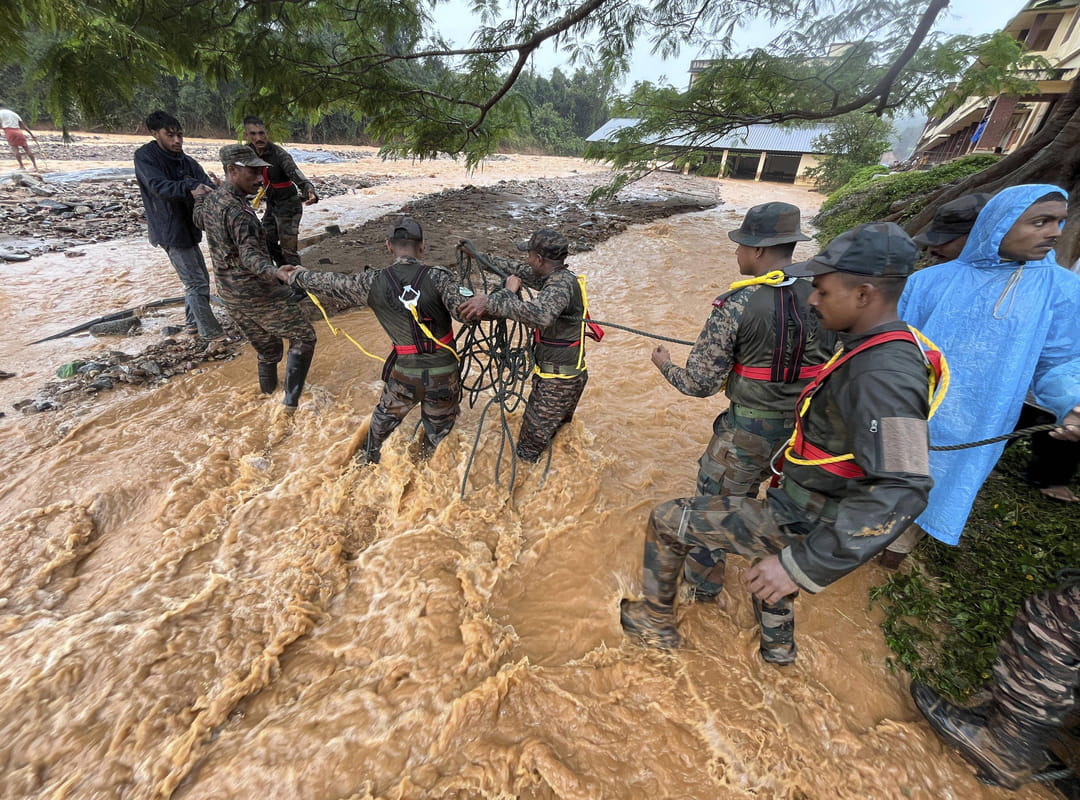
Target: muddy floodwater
202,598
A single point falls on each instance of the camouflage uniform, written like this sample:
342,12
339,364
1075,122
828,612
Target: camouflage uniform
431,379
760,327
826,519
1036,687
555,312
286,189
258,302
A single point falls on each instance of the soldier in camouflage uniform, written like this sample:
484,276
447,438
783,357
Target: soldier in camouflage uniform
855,475
423,366
249,283
285,186
1036,681
761,345
559,374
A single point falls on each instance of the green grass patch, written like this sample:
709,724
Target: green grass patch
945,615
866,198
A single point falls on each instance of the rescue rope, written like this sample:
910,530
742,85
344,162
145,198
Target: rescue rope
339,331
774,278
1018,434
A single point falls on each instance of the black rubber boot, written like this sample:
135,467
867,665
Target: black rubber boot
296,370
267,377
1005,750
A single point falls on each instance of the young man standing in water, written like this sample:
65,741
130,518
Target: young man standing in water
556,314
285,186
761,345
248,280
855,474
414,303
170,181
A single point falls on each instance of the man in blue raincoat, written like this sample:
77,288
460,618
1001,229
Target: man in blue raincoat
1007,318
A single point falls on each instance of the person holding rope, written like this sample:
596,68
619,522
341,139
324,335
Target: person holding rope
761,345
414,303
1008,319
855,473
248,280
14,126
1034,690
557,313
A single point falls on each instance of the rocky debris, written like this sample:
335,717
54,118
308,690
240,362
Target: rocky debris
85,212
79,380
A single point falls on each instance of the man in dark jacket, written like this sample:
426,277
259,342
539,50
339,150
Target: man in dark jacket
855,475
282,182
169,181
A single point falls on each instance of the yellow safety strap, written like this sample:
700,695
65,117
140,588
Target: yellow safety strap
768,279
258,198
581,338
424,329
937,390
338,331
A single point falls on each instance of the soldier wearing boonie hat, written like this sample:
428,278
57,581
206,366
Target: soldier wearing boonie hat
760,345
856,471
944,238
555,312
248,280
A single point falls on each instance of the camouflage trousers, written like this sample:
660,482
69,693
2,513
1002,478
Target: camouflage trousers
437,392
281,224
732,524
736,462
265,323
1037,672
551,405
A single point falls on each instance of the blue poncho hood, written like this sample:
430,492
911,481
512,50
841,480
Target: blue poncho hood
1006,328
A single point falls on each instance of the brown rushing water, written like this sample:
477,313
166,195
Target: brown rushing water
201,598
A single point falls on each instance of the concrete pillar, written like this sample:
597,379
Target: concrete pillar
760,166
723,164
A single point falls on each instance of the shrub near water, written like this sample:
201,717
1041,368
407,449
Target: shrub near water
866,198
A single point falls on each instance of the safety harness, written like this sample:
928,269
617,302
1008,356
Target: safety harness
805,453
588,328
785,360
424,341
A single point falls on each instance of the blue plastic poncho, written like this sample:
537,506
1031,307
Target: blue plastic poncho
1005,327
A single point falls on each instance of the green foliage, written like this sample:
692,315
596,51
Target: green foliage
853,205
944,618
999,66
853,142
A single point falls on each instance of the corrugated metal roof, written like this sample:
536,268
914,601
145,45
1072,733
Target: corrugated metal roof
771,138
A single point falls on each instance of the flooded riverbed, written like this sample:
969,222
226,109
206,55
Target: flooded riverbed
202,598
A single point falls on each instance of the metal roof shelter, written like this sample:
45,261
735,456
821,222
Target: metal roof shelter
760,152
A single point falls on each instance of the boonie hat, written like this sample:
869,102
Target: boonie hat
547,243
769,224
875,249
406,228
241,155
953,220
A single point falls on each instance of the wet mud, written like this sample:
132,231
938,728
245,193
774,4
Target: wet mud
203,598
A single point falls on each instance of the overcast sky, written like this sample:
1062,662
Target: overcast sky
962,17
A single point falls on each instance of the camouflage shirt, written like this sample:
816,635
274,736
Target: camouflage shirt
554,311
742,329
242,264
283,169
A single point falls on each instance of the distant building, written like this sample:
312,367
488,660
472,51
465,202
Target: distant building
1001,124
756,152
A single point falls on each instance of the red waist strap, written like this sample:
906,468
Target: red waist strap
282,185
843,469
412,349
765,373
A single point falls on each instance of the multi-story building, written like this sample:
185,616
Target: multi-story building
1048,28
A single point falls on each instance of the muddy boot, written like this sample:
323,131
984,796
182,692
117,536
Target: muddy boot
1005,750
777,624
296,370
653,619
703,576
267,377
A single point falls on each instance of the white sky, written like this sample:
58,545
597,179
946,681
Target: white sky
970,17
